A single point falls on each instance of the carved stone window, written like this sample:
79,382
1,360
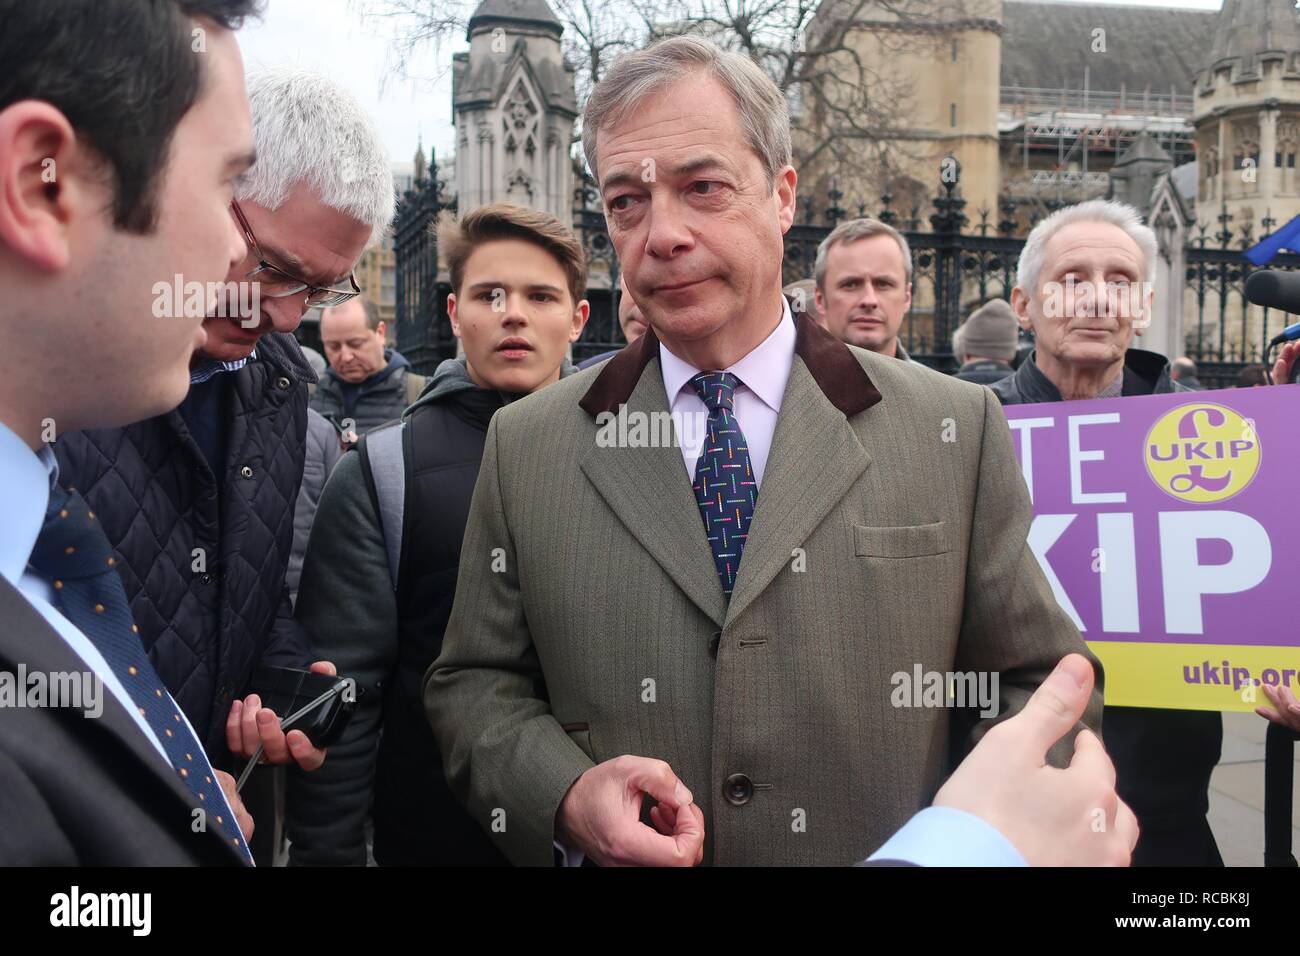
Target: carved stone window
520,108
1288,144
519,188
1210,178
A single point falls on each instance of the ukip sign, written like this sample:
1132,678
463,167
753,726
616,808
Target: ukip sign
1164,527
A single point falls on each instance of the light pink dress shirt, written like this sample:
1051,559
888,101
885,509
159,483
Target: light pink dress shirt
763,372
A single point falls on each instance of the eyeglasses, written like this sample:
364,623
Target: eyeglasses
277,284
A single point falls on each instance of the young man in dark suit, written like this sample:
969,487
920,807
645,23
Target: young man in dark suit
91,220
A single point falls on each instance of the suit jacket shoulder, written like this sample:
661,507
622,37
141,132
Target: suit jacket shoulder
82,790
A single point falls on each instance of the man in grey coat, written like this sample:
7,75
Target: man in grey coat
744,682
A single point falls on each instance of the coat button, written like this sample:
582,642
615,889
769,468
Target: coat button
205,577
738,789
714,641
246,472
282,383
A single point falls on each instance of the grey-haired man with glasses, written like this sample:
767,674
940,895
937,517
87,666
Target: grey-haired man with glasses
198,503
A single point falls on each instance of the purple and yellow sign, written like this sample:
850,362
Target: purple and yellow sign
1167,527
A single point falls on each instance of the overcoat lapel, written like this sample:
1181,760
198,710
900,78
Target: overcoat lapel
814,460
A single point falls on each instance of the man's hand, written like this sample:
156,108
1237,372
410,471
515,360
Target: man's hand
664,819
601,815
242,816
1285,361
1287,712
249,725
1070,817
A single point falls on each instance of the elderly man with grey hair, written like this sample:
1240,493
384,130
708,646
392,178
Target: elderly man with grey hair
808,543
198,503
1083,287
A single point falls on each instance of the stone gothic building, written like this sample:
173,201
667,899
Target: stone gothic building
1243,182
1192,116
1248,114
513,105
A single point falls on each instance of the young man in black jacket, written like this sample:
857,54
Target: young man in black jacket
381,566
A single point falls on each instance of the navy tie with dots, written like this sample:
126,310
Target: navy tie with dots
72,552
725,487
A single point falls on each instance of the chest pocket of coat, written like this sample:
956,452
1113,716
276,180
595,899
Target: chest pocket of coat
913,541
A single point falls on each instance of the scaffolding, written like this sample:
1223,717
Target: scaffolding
1069,138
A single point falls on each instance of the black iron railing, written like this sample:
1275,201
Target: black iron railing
1224,332
424,333
953,272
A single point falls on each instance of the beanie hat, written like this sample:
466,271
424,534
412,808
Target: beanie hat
992,331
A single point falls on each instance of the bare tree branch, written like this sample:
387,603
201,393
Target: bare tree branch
846,112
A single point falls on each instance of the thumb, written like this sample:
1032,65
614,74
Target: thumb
1056,706
656,778
324,667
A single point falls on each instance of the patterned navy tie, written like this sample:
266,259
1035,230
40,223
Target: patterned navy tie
725,487
72,552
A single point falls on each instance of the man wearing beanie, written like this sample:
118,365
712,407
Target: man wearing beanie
986,343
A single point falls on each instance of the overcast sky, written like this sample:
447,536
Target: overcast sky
330,36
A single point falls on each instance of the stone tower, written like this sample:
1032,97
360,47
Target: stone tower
513,105
1137,170
1247,117
938,70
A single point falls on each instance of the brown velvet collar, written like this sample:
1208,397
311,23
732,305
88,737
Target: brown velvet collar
837,373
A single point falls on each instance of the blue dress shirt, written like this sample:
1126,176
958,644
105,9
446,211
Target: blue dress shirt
942,836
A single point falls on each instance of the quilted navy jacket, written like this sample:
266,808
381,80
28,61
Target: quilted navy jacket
207,617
